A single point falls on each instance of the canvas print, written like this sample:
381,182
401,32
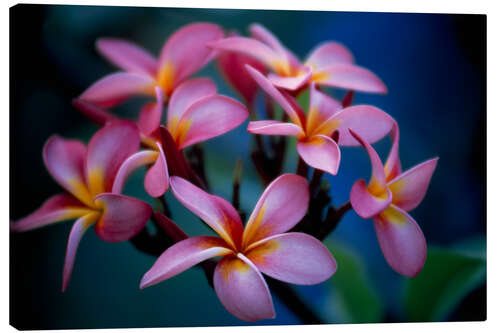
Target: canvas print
211,167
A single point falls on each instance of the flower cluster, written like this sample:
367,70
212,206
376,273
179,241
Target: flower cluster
283,236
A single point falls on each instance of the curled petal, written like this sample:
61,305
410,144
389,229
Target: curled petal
65,161
157,177
401,240
366,204
392,166
209,209
58,208
366,120
353,77
75,235
185,95
242,290
274,127
182,256
259,32
327,54
297,117
115,88
293,257
321,108
107,150
280,208
132,163
186,50
122,218
208,118
320,152
95,113
150,115
409,188
291,82
126,55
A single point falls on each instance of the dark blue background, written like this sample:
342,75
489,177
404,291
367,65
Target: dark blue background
433,65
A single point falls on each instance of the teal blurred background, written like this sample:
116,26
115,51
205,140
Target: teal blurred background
435,69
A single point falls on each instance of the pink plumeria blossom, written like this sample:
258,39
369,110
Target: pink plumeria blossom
184,53
261,247
388,198
195,113
330,64
87,174
325,115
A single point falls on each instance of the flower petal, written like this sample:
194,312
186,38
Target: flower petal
401,240
242,290
107,150
156,180
366,120
353,77
182,256
320,152
65,161
250,47
392,166
321,108
186,50
208,118
280,208
409,188
297,117
150,115
75,235
132,163
294,258
210,210
57,208
122,218
367,205
184,96
93,112
327,54
274,127
127,55
115,88
261,33
291,82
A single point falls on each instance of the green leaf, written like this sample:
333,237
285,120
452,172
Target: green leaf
447,277
352,296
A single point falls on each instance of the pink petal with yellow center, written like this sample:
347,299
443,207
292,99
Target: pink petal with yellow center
57,208
409,188
115,88
107,150
122,218
157,177
132,163
365,203
75,235
327,54
282,205
320,152
368,121
293,257
353,77
401,240
150,115
297,117
291,82
185,95
93,112
242,290
261,33
127,55
208,118
321,108
186,50
182,256
274,127
65,161
210,210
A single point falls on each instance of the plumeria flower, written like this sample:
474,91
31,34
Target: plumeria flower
388,198
260,247
329,64
87,174
183,54
325,116
195,113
